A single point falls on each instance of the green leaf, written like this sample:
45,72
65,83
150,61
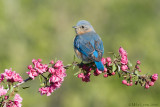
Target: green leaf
25,87
11,88
136,72
74,67
129,64
40,78
6,87
114,67
77,72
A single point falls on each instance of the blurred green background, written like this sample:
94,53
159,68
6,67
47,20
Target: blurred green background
43,29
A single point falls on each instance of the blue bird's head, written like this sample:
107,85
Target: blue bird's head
83,26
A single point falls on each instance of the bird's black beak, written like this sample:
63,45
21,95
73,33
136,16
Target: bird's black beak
74,27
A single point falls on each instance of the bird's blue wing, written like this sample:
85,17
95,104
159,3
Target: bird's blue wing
83,46
89,45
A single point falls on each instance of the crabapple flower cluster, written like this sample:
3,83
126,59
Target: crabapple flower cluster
8,79
11,76
124,59
153,78
55,75
87,68
119,65
52,75
16,102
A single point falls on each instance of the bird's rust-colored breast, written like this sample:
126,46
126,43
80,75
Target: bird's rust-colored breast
79,54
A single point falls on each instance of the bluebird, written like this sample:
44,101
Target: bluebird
88,46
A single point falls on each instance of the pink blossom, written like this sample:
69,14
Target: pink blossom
16,103
58,64
124,67
105,75
131,83
18,98
32,73
151,83
137,66
51,70
10,104
146,86
109,63
124,82
57,84
17,78
122,52
154,77
108,59
34,61
2,91
52,62
30,67
6,97
138,62
2,78
124,59
113,73
47,90
44,90
9,74
12,76
60,72
41,68
97,72
128,84
81,75
103,60
39,60
54,78
86,77
105,69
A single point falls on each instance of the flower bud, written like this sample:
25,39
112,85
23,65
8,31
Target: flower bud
146,86
124,67
154,77
52,62
108,59
124,82
151,83
81,75
103,60
138,62
105,75
113,73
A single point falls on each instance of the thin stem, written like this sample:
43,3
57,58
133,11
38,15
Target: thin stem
21,83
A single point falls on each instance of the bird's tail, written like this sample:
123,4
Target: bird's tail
99,65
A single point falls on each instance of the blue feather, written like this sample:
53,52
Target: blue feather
98,64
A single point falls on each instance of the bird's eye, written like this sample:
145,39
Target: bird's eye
82,26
